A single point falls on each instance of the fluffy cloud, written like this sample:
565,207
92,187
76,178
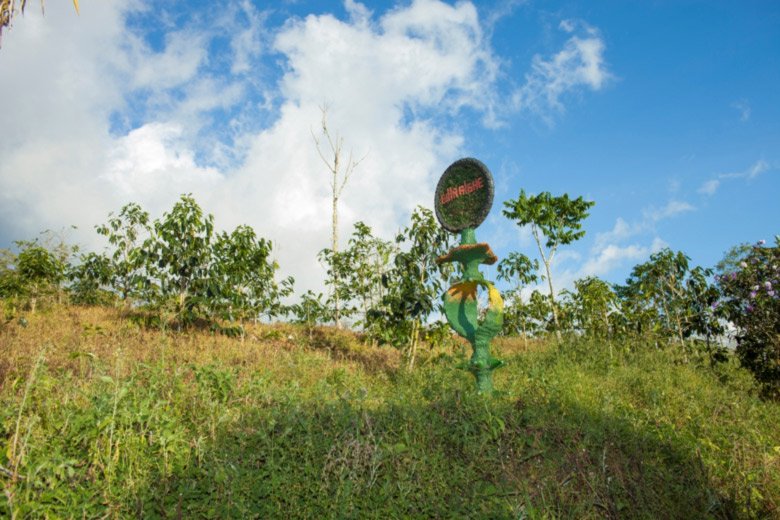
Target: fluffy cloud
225,109
580,64
671,209
381,78
611,257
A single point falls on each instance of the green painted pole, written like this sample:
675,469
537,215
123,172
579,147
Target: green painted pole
461,308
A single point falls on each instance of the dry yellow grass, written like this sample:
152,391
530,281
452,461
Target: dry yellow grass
79,339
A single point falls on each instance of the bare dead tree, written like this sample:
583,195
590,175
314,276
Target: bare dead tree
340,172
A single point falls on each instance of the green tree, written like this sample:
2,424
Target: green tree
750,290
665,298
127,234
242,284
595,300
355,274
177,259
39,273
659,284
554,221
520,271
90,280
414,285
311,311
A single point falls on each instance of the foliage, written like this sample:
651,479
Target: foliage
181,269
595,301
751,301
33,276
242,277
91,280
556,219
126,233
177,259
520,271
664,298
311,311
413,287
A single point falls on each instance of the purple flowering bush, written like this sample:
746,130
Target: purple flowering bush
751,301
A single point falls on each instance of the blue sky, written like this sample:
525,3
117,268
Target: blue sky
664,113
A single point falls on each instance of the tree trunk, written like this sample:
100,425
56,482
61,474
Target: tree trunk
334,246
547,262
552,300
413,343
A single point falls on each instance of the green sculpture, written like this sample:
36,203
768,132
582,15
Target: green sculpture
464,196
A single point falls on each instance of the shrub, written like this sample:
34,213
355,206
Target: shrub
750,288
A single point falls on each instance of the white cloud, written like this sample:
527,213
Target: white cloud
580,64
386,80
757,169
620,231
152,164
671,209
427,57
247,41
611,257
566,26
184,53
710,186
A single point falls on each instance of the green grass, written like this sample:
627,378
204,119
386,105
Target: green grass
101,418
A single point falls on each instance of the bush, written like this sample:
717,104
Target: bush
750,288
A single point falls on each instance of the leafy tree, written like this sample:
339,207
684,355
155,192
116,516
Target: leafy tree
665,298
520,271
595,301
659,284
127,233
355,275
556,219
414,285
242,284
700,317
751,301
90,280
539,313
8,279
310,311
178,259
38,273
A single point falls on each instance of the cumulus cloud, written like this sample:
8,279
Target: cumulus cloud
580,64
223,108
385,80
612,256
610,250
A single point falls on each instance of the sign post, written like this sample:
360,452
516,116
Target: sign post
464,196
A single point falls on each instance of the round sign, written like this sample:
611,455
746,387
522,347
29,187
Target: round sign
464,195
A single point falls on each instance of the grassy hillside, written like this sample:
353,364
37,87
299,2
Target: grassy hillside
100,417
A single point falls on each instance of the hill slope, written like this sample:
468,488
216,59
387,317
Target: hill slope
101,417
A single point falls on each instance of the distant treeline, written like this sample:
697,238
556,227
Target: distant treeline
180,273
